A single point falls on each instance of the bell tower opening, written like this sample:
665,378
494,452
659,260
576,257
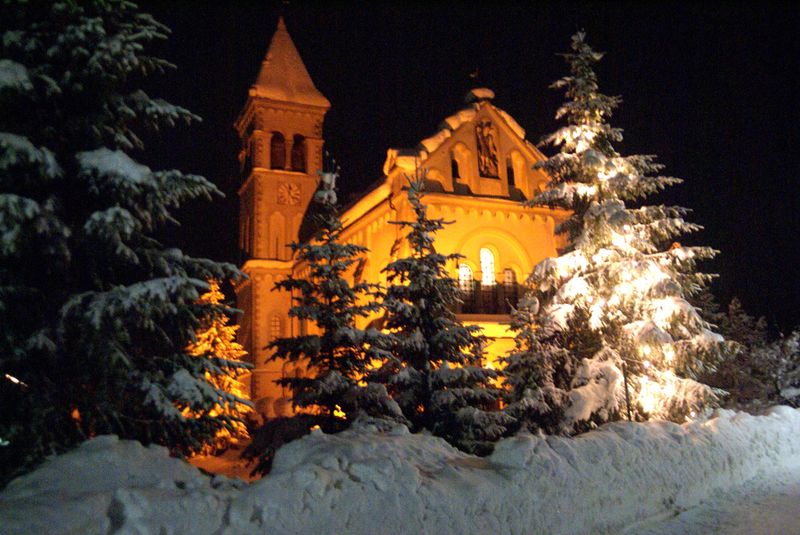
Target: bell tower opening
299,153
277,151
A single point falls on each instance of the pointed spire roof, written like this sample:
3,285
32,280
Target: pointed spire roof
283,76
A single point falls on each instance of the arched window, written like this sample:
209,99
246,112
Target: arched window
465,278
487,267
247,161
509,277
277,151
276,247
462,164
517,168
299,153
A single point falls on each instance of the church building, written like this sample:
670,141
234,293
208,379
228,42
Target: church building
479,168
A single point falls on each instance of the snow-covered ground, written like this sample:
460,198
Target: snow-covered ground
634,476
766,505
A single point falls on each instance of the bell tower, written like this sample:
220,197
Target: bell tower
280,129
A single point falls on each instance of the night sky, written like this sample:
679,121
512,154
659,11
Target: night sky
711,89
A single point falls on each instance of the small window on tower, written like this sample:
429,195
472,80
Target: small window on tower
247,157
299,153
510,173
277,151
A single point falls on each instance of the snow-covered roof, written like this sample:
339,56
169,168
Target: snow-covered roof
283,75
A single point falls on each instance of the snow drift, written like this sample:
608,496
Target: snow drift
368,480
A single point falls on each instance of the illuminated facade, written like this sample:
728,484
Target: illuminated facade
479,168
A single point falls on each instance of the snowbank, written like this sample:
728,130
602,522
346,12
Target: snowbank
368,481
108,484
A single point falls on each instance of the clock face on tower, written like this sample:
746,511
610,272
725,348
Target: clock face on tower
288,193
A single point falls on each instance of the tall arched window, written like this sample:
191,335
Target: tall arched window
517,168
461,162
248,152
299,153
487,267
465,277
277,151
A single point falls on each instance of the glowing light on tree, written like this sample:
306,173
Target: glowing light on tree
621,278
217,339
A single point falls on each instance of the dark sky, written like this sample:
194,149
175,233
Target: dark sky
710,88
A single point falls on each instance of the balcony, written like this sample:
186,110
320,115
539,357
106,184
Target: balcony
488,299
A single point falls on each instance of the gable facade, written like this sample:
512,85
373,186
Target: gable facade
479,168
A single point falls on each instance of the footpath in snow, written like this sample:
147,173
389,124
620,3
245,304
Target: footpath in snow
766,505
634,476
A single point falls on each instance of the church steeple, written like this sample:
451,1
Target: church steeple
280,128
283,76
281,132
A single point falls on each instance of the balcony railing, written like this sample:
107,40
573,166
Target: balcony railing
488,299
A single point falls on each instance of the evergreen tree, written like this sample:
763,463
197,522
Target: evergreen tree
541,369
95,314
755,370
709,308
436,374
745,369
738,326
338,355
786,371
216,340
621,267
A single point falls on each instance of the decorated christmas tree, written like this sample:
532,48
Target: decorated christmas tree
335,353
436,375
216,340
95,313
622,277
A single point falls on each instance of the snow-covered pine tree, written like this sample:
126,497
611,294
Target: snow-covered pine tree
706,302
621,266
786,373
95,314
336,354
738,326
436,375
539,372
746,370
216,340
756,369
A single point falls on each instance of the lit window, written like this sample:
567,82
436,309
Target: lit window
465,277
487,267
